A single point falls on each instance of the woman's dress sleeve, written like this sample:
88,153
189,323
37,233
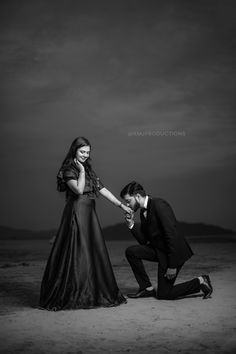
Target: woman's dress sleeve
70,173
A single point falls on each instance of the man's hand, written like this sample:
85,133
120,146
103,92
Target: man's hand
170,273
129,218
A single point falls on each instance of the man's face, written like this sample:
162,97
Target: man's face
132,201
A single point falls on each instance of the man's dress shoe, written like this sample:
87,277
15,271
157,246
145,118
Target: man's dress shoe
142,293
206,287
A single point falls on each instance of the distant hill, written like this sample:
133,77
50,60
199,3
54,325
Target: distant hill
8,233
121,232
114,232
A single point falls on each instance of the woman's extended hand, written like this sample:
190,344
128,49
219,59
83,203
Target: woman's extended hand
126,209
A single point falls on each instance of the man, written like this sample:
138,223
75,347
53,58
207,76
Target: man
159,242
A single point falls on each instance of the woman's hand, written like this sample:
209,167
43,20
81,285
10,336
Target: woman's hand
79,165
128,210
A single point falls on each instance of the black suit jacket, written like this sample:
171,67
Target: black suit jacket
159,230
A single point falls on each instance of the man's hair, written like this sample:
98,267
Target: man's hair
133,188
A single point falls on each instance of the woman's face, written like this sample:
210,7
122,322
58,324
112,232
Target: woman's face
82,154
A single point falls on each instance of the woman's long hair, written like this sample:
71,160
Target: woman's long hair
69,160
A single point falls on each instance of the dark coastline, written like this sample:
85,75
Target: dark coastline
119,232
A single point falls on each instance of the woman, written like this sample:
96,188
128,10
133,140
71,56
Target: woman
78,272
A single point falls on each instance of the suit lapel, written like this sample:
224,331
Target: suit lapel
149,209
146,220
142,217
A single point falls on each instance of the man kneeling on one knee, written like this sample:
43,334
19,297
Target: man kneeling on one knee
159,242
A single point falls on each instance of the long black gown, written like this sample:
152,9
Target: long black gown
79,272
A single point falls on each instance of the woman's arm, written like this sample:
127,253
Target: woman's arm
109,196
77,186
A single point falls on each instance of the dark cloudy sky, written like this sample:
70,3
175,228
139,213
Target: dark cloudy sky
106,69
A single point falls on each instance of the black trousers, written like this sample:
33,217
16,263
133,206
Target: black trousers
166,288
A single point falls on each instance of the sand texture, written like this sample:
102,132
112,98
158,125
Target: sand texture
189,325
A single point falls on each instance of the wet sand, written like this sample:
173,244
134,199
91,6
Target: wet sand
189,325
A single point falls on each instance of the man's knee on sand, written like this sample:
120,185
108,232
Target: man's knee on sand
130,251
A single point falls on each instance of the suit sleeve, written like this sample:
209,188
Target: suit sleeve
138,234
168,223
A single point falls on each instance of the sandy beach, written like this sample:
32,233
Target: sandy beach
189,325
